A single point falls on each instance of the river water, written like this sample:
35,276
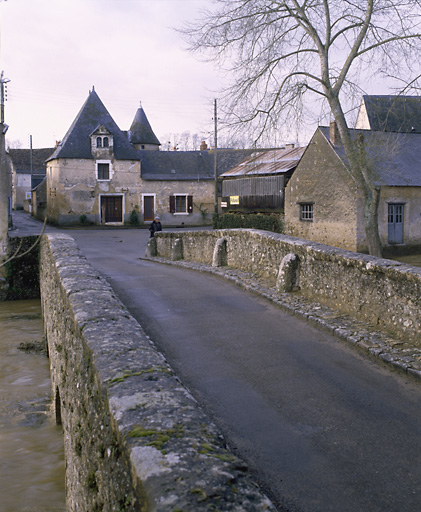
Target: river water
31,445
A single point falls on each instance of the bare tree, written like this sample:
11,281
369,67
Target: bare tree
14,144
285,54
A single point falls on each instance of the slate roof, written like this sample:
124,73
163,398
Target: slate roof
77,143
395,157
188,165
21,159
140,131
394,113
272,162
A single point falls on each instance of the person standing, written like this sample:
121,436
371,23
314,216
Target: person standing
155,226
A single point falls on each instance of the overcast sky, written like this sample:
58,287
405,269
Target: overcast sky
54,51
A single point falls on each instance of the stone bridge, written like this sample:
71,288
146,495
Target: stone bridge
134,438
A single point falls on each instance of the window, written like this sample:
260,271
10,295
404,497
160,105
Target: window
306,211
105,142
98,142
103,170
181,204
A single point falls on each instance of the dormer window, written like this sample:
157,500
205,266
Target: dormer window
101,142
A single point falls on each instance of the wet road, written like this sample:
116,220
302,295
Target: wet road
321,427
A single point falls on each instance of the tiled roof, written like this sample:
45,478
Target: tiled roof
394,113
140,131
274,161
21,159
188,165
77,143
395,158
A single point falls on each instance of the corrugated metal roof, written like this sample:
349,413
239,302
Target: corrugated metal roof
274,161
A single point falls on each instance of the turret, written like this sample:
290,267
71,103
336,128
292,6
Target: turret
141,134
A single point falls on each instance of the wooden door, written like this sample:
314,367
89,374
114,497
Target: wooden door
112,208
395,223
148,208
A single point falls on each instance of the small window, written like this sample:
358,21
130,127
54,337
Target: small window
103,171
181,204
98,142
105,142
306,211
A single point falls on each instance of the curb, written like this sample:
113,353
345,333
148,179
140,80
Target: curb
397,354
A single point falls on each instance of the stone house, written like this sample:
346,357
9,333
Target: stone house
180,185
323,204
94,172
28,171
101,174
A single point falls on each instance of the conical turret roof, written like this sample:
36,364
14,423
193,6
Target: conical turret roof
77,141
140,131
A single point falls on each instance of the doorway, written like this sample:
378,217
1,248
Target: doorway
395,223
111,209
148,208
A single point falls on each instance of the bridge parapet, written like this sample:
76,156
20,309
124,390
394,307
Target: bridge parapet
380,292
135,440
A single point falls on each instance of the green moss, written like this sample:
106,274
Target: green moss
157,438
127,375
207,449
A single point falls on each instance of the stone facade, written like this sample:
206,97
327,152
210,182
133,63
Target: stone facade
321,180
380,292
202,193
321,183
134,438
73,190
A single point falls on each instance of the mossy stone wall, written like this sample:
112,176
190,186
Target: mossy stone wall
381,292
134,438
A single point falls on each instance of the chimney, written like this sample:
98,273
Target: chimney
334,136
290,146
203,146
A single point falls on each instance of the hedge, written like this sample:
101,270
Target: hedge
272,222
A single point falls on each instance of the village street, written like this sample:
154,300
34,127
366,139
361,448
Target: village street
322,428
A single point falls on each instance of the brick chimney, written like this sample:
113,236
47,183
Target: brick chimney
203,146
334,136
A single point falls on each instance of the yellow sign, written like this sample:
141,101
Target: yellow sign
234,199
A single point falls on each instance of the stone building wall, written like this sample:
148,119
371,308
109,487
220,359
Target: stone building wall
74,190
382,292
321,180
134,438
203,200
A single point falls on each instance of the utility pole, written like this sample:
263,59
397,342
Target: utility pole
4,177
215,158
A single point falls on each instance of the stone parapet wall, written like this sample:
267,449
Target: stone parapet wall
383,293
135,440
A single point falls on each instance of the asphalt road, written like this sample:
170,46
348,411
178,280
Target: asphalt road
322,428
